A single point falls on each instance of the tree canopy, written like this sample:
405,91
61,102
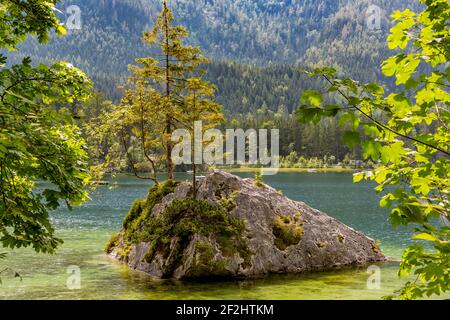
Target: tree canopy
39,140
164,92
407,132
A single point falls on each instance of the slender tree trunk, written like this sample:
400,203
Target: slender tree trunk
144,148
170,166
194,167
194,180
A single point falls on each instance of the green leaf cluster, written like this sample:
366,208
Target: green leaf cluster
43,161
407,133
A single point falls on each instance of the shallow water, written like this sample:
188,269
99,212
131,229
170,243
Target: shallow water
87,229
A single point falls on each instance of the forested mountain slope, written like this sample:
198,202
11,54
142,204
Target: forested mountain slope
300,32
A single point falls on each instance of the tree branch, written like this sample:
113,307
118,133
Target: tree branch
19,81
383,126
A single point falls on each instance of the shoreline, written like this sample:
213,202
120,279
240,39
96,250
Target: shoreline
294,170
280,170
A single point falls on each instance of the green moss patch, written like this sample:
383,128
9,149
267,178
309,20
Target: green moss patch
229,203
321,245
205,264
376,246
124,251
140,211
113,242
136,210
171,231
297,216
287,232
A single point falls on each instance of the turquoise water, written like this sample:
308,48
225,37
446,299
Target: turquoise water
87,229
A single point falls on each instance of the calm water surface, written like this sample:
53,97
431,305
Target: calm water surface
88,228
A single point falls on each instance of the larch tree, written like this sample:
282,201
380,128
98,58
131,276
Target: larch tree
168,74
199,107
162,95
131,133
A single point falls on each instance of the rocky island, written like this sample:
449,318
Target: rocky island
234,228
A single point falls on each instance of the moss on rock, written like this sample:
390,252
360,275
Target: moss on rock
297,216
376,246
288,232
205,263
136,210
184,218
113,242
229,203
233,229
171,231
124,251
321,245
142,209
139,212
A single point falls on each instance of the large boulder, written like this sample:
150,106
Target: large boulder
237,228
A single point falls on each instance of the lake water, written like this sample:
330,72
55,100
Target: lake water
88,228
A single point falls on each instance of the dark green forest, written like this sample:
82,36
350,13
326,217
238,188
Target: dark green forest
294,32
259,51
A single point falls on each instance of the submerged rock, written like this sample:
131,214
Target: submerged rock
235,228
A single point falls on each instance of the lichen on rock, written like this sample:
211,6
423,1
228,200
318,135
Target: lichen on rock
233,229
